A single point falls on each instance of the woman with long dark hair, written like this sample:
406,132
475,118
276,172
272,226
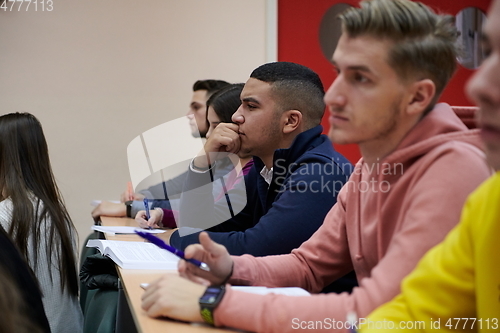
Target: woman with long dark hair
35,217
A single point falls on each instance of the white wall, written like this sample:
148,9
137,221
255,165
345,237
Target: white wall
97,73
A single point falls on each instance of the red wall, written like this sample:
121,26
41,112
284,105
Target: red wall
298,41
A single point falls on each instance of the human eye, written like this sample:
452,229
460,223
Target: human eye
196,107
249,105
358,77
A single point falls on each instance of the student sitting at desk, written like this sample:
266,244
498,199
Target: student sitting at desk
162,193
419,163
220,108
34,215
296,173
456,285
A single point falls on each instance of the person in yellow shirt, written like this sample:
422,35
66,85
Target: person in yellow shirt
456,285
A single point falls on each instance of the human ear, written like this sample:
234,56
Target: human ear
292,120
422,94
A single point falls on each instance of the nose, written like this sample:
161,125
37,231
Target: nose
335,97
484,86
237,117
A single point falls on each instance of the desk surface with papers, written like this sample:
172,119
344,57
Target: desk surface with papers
131,280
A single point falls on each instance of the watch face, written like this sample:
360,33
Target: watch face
209,301
210,296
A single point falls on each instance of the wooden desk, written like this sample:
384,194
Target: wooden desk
131,280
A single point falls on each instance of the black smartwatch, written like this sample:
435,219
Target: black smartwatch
209,301
128,204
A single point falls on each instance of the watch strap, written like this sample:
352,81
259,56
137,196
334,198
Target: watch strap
128,204
209,302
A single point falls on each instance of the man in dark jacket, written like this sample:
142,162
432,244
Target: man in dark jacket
296,174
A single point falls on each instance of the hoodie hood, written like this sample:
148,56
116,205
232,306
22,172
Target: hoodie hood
439,134
441,125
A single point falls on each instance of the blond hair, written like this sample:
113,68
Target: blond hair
424,43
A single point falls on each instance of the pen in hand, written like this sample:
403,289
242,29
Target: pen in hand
146,207
158,242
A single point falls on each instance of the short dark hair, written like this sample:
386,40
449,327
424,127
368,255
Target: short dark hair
210,86
226,101
296,87
425,43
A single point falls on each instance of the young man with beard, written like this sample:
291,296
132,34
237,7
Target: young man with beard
456,285
278,124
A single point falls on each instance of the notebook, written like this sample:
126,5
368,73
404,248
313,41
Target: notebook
135,255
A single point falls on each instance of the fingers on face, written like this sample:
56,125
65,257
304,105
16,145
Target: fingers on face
228,136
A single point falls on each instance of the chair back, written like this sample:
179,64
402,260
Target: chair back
467,115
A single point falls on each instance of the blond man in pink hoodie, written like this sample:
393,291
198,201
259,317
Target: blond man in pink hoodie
419,163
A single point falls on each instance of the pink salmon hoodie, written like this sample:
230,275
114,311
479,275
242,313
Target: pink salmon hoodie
384,221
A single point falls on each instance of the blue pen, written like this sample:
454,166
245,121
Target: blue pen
158,242
146,207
